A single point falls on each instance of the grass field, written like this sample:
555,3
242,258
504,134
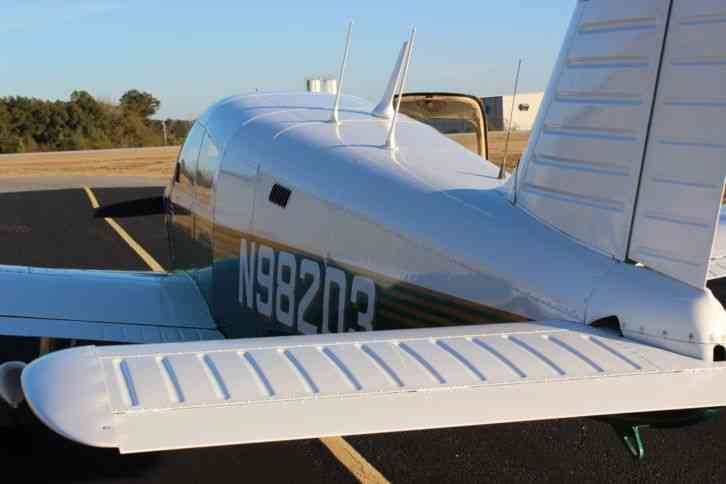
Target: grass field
159,162
148,162
517,145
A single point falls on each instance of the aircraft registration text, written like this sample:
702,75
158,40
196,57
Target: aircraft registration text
306,295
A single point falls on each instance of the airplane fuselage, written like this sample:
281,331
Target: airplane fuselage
291,223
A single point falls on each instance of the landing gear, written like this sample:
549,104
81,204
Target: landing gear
628,426
630,435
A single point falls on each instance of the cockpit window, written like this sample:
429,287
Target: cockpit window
460,118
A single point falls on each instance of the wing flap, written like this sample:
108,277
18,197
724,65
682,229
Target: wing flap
133,307
182,395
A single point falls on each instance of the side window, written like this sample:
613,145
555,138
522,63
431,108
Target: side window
182,194
209,158
187,163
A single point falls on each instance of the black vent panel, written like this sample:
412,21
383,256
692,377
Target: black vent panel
280,195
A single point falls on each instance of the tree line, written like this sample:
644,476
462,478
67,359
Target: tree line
84,123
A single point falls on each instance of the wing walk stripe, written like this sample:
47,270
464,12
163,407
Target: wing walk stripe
460,358
347,374
305,377
507,362
575,352
540,356
170,380
124,376
387,370
614,352
262,382
427,366
215,378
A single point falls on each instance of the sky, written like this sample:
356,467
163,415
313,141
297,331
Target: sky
190,54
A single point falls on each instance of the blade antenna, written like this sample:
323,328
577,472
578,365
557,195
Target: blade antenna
385,107
391,140
336,108
511,122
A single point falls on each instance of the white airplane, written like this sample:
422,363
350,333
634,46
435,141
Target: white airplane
318,218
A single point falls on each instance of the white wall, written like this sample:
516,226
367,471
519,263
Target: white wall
523,120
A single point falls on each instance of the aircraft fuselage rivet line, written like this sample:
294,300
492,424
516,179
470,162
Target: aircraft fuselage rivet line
339,447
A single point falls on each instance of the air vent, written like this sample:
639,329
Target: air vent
279,195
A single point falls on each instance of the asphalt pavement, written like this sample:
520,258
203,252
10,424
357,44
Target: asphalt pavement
55,228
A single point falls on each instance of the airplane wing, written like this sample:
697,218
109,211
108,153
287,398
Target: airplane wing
132,307
184,395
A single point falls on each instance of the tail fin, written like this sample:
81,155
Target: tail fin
628,154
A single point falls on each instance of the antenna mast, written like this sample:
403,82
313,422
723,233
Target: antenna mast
336,108
511,122
391,140
384,109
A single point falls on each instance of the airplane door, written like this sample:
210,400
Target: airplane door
234,201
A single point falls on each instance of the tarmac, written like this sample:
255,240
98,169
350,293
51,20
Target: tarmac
54,228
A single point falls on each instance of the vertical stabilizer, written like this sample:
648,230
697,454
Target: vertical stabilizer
628,154
581,169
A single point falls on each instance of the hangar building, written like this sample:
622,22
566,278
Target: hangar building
525,111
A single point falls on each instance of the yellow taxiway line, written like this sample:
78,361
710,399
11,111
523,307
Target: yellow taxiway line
338,446
145,256
353,461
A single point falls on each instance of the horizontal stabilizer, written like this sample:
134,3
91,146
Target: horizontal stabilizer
130,307
182,395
